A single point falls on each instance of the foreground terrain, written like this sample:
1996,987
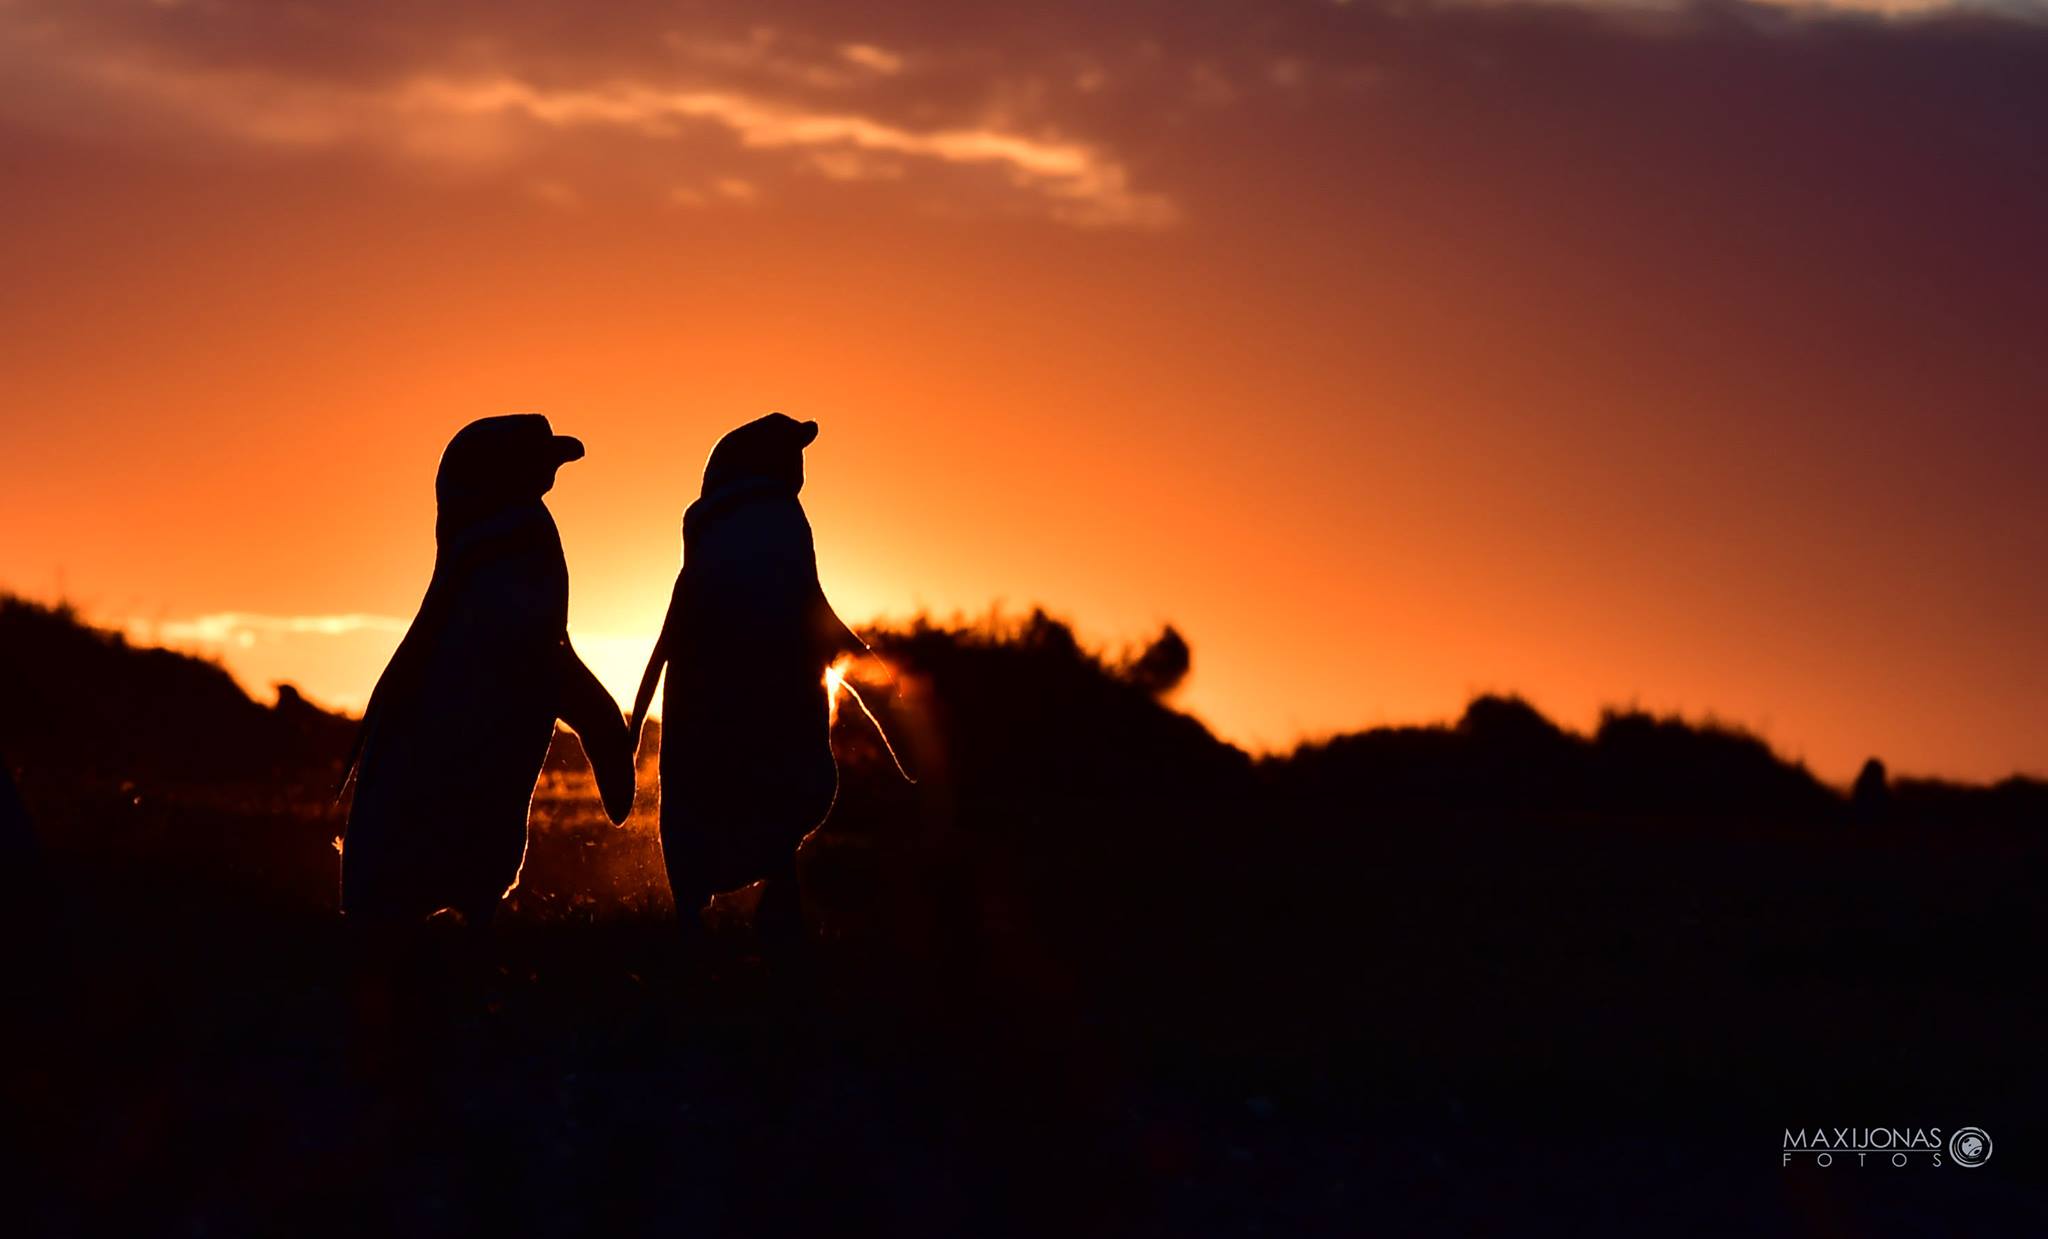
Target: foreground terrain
1095,972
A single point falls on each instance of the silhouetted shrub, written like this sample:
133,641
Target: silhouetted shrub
1932,804
1666,765
1162,666
1870,796
83,704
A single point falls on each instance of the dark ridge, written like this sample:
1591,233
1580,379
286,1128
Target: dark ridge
83,705
1010,718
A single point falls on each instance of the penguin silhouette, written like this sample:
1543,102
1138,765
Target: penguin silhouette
458,725
746,754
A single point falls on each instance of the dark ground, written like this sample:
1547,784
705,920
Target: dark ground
1095,974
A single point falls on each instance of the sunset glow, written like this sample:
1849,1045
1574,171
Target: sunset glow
835,680
1392,354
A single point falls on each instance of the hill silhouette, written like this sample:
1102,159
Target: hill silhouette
1015,714
1095,963
84,704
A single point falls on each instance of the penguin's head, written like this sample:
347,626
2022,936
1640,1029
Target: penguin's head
770,447
495,462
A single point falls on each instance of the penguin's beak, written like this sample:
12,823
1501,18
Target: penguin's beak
565,448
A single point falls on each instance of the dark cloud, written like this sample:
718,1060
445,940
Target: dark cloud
1091,114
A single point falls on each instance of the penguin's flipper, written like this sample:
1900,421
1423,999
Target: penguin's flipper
833,636
591,713
648,680
656,662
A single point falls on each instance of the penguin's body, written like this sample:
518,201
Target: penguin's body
746,754
459,724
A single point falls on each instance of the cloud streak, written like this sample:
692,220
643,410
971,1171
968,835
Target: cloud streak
616,658
1890,10
1086,186
433,114
244,627
1047,123
2023,10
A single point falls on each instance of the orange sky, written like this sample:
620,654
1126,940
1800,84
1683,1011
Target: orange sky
1685,357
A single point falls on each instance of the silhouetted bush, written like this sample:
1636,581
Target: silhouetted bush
1163,664
82,705
1666,765
1870,796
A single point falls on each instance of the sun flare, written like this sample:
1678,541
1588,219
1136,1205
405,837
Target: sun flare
835,679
